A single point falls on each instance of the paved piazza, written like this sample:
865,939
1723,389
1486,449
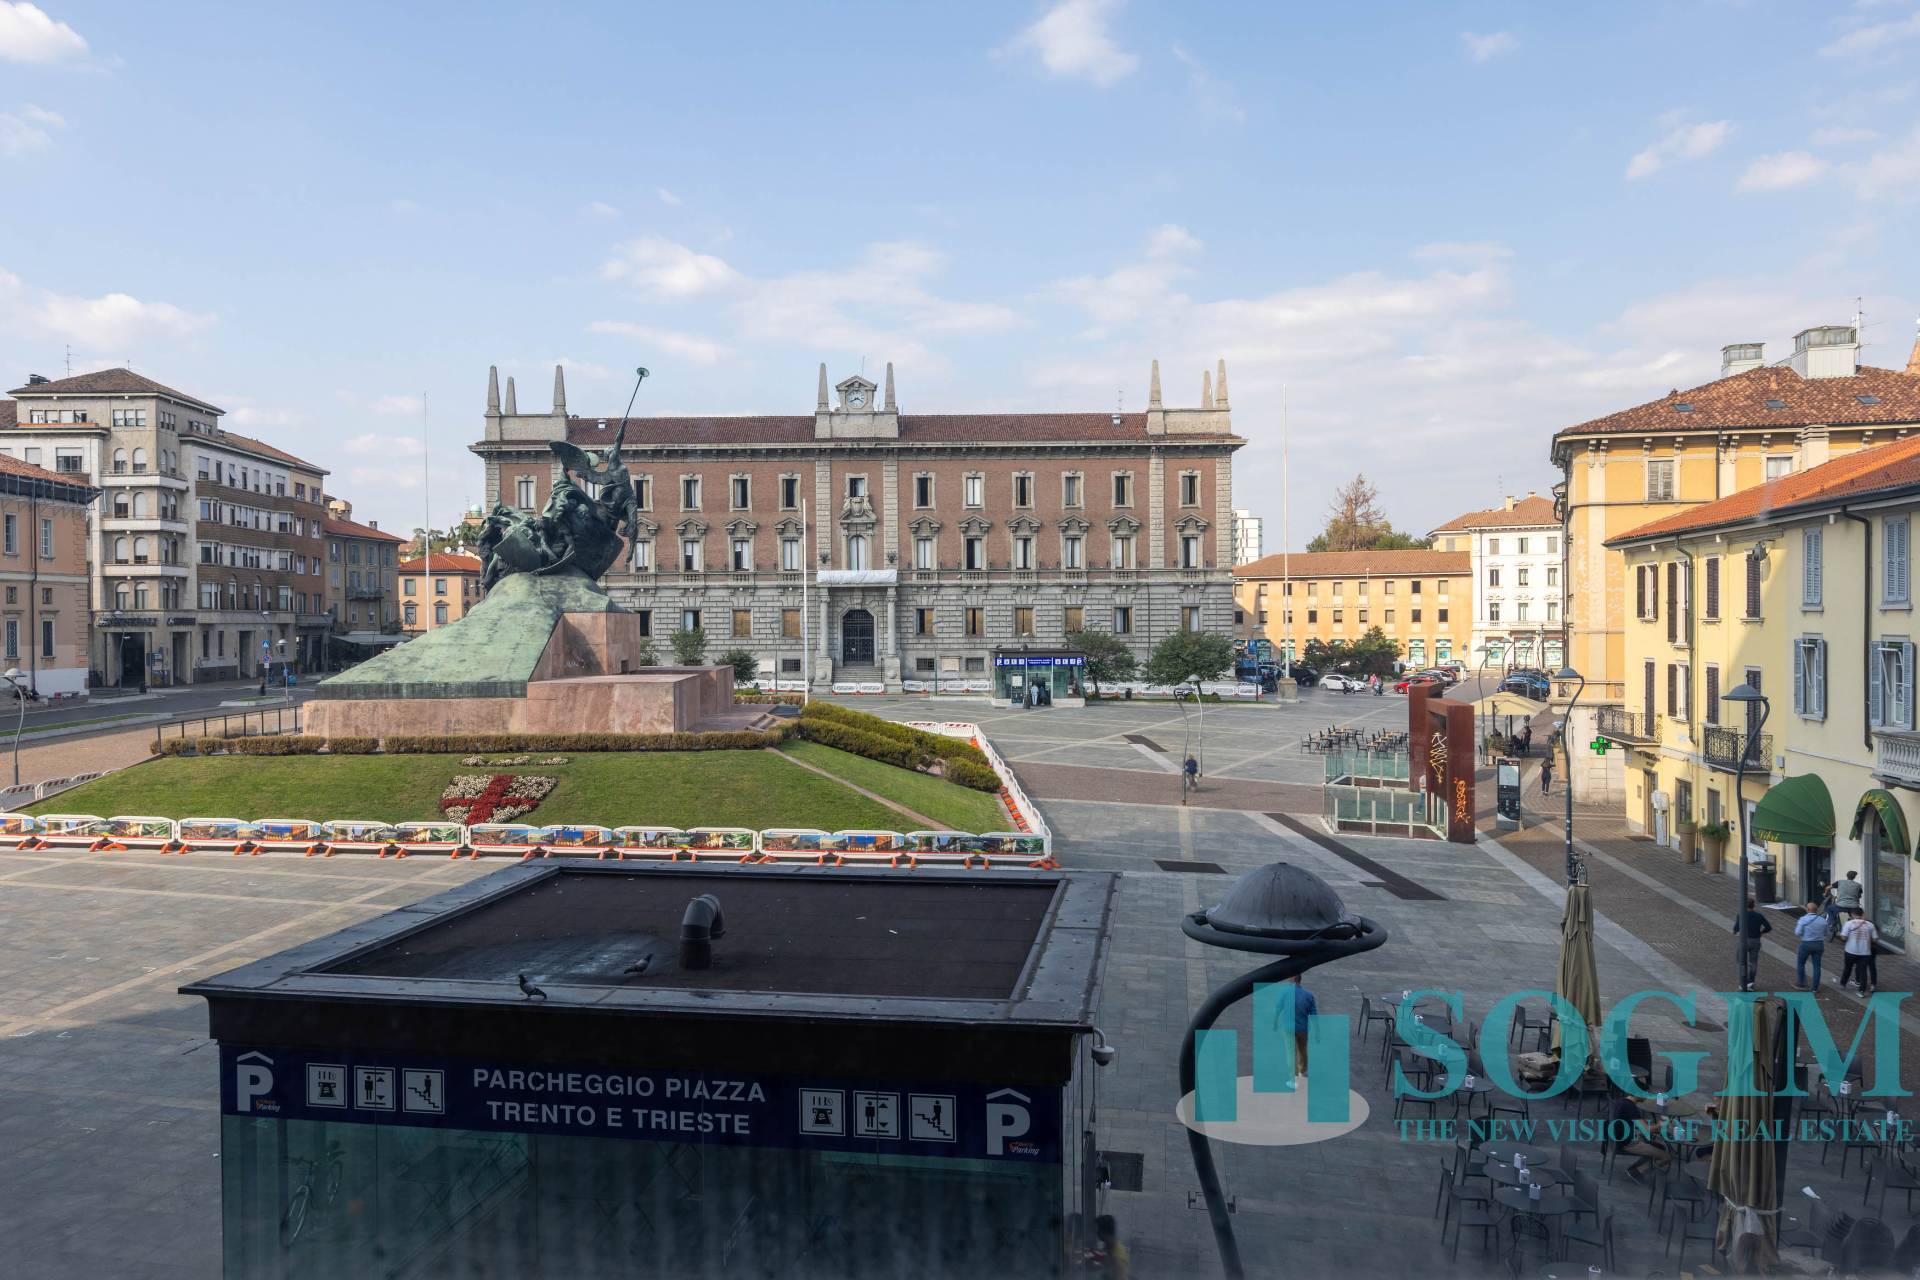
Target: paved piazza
107,1080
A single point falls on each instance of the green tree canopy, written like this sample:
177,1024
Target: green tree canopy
1109,660
689,647
1372,654
1355,522
746,667
1187,657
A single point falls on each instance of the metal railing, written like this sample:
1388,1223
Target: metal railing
1383,811
1896,758
236,724
1623,725
1721,745
1386,766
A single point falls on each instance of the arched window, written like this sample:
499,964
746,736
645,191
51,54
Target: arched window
139,459
119,460
233,594
140,505
856,551
119,550
139,550
120,598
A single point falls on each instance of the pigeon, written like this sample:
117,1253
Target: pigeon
641,965
530,991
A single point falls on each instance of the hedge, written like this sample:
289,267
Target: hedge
938,745
966,773
871,745
471,743
353,746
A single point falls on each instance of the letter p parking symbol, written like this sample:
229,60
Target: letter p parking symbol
252,1079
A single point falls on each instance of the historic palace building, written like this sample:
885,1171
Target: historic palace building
902,547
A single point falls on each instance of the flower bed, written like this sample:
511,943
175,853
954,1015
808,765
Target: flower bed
493,797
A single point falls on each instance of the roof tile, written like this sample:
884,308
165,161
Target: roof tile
1527,512
339,528
1354,564
110,382
1747,399
443,562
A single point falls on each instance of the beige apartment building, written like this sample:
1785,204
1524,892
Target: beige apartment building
44,595
432,594
362,581
1756,422
1515,550
204,553
1422,600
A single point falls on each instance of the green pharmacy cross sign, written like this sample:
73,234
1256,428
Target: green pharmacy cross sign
1600,746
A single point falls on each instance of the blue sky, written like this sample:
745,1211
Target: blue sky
1438,232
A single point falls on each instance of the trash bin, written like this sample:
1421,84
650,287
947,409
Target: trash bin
1766,884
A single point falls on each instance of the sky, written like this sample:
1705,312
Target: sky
1424,237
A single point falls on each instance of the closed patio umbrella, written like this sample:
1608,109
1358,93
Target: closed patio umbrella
1577,980
1745,1169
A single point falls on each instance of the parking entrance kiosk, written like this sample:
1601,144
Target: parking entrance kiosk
657,1069
1506,777
1059,674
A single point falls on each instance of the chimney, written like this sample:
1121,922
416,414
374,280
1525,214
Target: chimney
36,379
1913,360
373,524
1510,501
1827,351
1738,357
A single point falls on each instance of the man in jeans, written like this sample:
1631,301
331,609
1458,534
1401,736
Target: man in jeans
1848,897
1811,929
1750,925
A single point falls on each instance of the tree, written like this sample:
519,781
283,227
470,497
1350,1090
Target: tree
647,655
1355,522
746,667
689,647
1109,660
1372,654
1388,540
1188,657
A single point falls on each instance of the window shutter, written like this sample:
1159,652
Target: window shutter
1653,591
1810,567
1673,601
1903,561
1713,696
1753,587
1895,585
1820,679
1800,678
1876,686
1904,718
1646,689
1713,587
1640,591
1673,691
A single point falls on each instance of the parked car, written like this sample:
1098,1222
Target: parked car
1343,683
1423,679
1305,675
1528,684
1442,675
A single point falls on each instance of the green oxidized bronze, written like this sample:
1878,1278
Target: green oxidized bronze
576,531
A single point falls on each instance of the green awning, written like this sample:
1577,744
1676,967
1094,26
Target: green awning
1891,820
1796,811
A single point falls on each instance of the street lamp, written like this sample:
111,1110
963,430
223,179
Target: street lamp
1277,910
13,677
1751,697
1574,869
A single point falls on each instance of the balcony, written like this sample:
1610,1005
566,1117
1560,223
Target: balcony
1896,758
366,591
1720,747
1623,725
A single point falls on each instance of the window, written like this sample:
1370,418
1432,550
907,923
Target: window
46,637
689,493
923,622
1659,479
972,489
523,493
975,622
1074,619
1753,586
1313,615
923,553
1520,611
1673,691
643,492
12,536
690,620
1493,577
1416,615
1810,677
13,637
1811,568
1553,611
1123,620
129,417
642,555
923,491
646,622
1493,546
1339,617
1442,615
690,555
740,489
1070,489
413,614
976,549
1363,617
856,486
1023,552
439,586
1022,488
406,586
856,551
1493,611
1189,488
1890,685
1676,623
1190,551
440,613
1523,546
1023,620
789,493
1070,553
1712,612
742,554
790,623
742,622
1894,588
1123,551
1415,586
1520,576
1646,592
1123,488
1777,467
46,539
1711,714
1189,617
790,554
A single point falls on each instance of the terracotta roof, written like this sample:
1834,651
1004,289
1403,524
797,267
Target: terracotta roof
1749,399
932,428
1357,564
443,562
354,529
9,413
26,471
263,448
1866,472
1527,512
110,382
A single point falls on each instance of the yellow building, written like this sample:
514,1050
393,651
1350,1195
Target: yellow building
432,595
1421,599
1756,422
1800,588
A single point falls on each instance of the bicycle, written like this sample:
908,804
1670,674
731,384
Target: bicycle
294,1221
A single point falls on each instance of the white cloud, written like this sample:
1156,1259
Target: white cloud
665,196
28,129
375,443
1485,48
398,406
584,368
1072,42
1172,241
114,321
661,268
27,34
1841,136
689,347
1680,141
1875,38
1212,96
244,414
1781,170
600,209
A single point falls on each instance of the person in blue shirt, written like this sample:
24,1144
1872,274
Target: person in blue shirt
1304,1007
1812,930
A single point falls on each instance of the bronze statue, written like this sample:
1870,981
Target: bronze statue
576,531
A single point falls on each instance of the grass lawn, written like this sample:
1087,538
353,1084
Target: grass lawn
956,807
660,788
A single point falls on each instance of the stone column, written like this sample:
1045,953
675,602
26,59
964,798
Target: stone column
890,653
1157,511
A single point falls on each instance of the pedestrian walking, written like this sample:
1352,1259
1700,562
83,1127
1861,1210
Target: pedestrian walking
1858,936
1750,926
1526,740
1304,1007
1811,929
1190,777
1546,776
1849,896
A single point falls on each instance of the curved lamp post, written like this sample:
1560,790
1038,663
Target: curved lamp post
1278,910
1575,872
1750,697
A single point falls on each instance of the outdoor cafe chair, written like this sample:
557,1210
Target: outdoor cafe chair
1370,1014
1893,1175
1704,1230
1851,1140
1677,1189
1524,1022
1462,1180
1586,1190
1467,1208
1526,1233
1600,1239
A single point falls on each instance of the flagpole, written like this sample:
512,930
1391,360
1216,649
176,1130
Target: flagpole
1286,578
426,530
